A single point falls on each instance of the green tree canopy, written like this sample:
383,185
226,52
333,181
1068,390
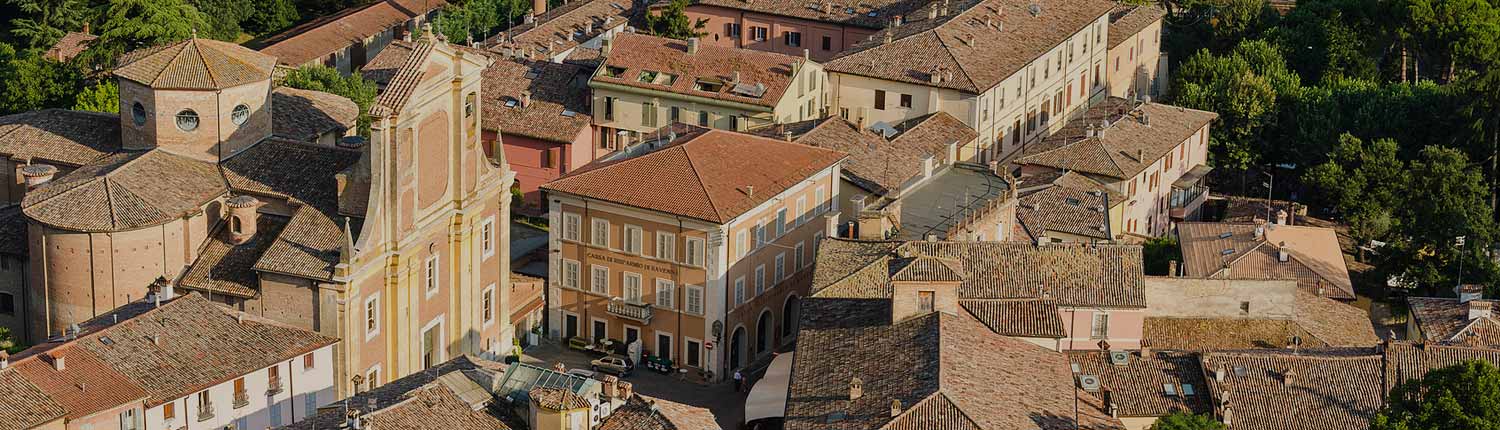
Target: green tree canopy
673,22
128,25
224,17
1463,396
1455,33
1243,87
1364,182
31,81
323,78
1447,199
47,20
271,16
1187,421
102,97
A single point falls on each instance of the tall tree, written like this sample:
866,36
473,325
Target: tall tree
1463,396
224,17
102,97
1363,182
127,25
47,20
1455,33
1243,86
271,16
1450,202
31,81
1187,421
673,22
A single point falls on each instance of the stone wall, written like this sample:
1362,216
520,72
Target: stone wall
1220,298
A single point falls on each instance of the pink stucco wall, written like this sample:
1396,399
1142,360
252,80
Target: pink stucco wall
1126,327
525,157
840,37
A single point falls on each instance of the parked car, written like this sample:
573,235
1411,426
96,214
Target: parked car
584,373
613,364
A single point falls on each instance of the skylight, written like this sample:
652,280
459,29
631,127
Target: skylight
1225,235
1227,251
709,86
510,103
568,113
1187,389
613,72
1169,389
654,77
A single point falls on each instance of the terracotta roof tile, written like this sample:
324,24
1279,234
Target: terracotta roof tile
1126,147
964,46
304,115
637,54
1405,361
225,268
567,26
557,399
64,137
1072,274
70,45
384,66
1319,322
876,164
201,345
196,64
1125,21
434,407
396,394
125,191
1137,387
1065,207
290,170
1315,258
86,385
1018,317
318,38
309,247
559,106
933,130
1447,320
398,90
868,14
706,175
638,414
980,380
23,405
1329,391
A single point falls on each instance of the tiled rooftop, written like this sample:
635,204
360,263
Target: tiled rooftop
567,26
125,191
320,37
1447,320
558,110
1315,260
1274,390
1138,386
304,115
63,137
23,405
1134,137
1071,203
659,63
711,175
1319,322
195,64
1125,21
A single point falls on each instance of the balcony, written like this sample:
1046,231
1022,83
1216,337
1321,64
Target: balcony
241,399
205,412
274,387
638,312
1188,194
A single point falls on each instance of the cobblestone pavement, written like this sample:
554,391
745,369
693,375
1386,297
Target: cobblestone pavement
727,406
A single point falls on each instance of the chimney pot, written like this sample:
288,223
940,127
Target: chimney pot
525,98
692,46
243,215
1281,217
856,388
895,408
1281,254
4,360
1172,268
37,174
59,362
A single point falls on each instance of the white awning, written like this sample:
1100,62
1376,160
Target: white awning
768,397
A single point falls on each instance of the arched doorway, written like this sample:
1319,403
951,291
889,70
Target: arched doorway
736,347
791,314
763,332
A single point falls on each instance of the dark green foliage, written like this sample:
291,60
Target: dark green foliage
224,17
1465,396
477,18
673,22
1446,198
128,25
45,21
1159,253
322,78
271,16
1187,421
30,81
102,97
1364,183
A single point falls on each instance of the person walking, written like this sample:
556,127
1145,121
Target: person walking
739,381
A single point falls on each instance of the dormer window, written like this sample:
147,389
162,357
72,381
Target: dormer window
240,114
709,86
138,114
613,72
187,120
659,78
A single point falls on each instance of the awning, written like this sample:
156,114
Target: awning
1191,177
768,397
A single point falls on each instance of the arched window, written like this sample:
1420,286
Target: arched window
187,120
240,114
138,114
235,226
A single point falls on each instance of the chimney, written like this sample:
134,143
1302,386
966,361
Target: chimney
952,153
692,45
1479,309
156,339
856,388
1281,254
1109,403
1172,268
4,360
1140,155
1219,374
243,215
1281,217
59,362
611,387
895,408
525,98
1260,232
932,13
1145,350
1469,292
37,174
1288,377
1228,417
831,225
896,21
734,78
889,37
604,46
927,164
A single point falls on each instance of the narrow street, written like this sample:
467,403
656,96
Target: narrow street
727,406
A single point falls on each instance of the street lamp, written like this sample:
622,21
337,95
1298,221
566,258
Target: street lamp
1269,186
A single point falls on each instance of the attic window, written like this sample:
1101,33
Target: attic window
709,86
1225,235
1072,201
1169,389
510,103
568,113
1227,251
106,340
659,78
872,14
1187,389
531,74
613,72
849,11
834,417
1239,371
747,90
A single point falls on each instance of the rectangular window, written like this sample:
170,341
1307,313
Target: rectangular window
373,378
546,154
818,198
880,99
648,115
739,290
572,224
675,113
780,222
666,294
666,246
780,267
169,411
695,300
693,354
273,377
799,257
759,34
760,235
732,30
599,233
792,38
432,275
632,287
632,240
802,214
487,237
241,398
308,362
1100,329
7,304
128,420
906,101
570,274
609,108
741,243
599,279
827,43
372,317
760,279
703,118
487,305
693,251
925,301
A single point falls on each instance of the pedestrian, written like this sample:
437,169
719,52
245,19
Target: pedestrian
739,381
